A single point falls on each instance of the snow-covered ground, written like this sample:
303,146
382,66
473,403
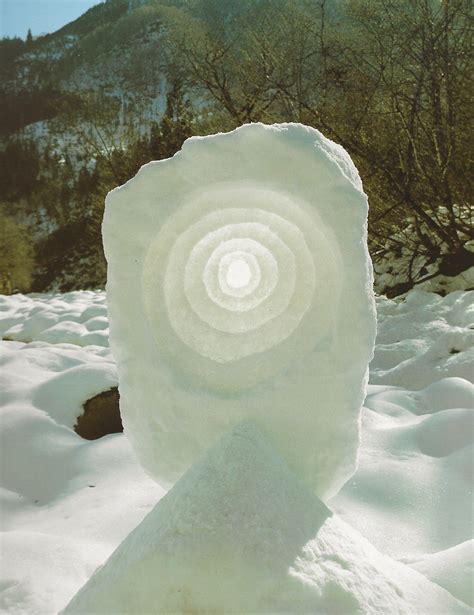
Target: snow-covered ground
68,502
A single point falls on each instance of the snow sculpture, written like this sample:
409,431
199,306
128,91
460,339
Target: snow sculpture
240,287
239,533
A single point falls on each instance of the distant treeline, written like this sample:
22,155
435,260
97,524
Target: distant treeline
388,79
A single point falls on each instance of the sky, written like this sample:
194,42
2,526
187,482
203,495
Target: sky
42,16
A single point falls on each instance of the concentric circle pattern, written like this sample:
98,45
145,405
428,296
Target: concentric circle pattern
236,282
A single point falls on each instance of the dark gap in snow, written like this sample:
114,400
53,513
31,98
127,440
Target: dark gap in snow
101,416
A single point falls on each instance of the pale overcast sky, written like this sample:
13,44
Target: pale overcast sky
42,16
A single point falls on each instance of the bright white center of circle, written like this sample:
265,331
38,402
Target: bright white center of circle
238,274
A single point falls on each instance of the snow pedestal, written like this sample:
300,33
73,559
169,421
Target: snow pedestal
240,288
239,532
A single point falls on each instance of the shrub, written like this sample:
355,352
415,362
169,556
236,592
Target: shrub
16,257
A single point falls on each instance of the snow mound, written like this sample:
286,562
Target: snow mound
447,393
240,533
53,536
432,430
57,379
415,464
453,569
78,318
67,503
240,286
424,338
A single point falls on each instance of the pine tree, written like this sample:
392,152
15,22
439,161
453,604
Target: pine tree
29,37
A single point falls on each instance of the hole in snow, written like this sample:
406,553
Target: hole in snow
238,274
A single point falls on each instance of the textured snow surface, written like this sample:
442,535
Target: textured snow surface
239,286
240,533
78,318
424,338
67,503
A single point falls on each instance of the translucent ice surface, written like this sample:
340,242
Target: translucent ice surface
240,287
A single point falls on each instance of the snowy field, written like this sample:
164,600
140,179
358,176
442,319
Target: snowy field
68,502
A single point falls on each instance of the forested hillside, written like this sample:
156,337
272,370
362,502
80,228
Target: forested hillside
82,109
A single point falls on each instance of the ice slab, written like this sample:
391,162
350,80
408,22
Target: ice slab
240,287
